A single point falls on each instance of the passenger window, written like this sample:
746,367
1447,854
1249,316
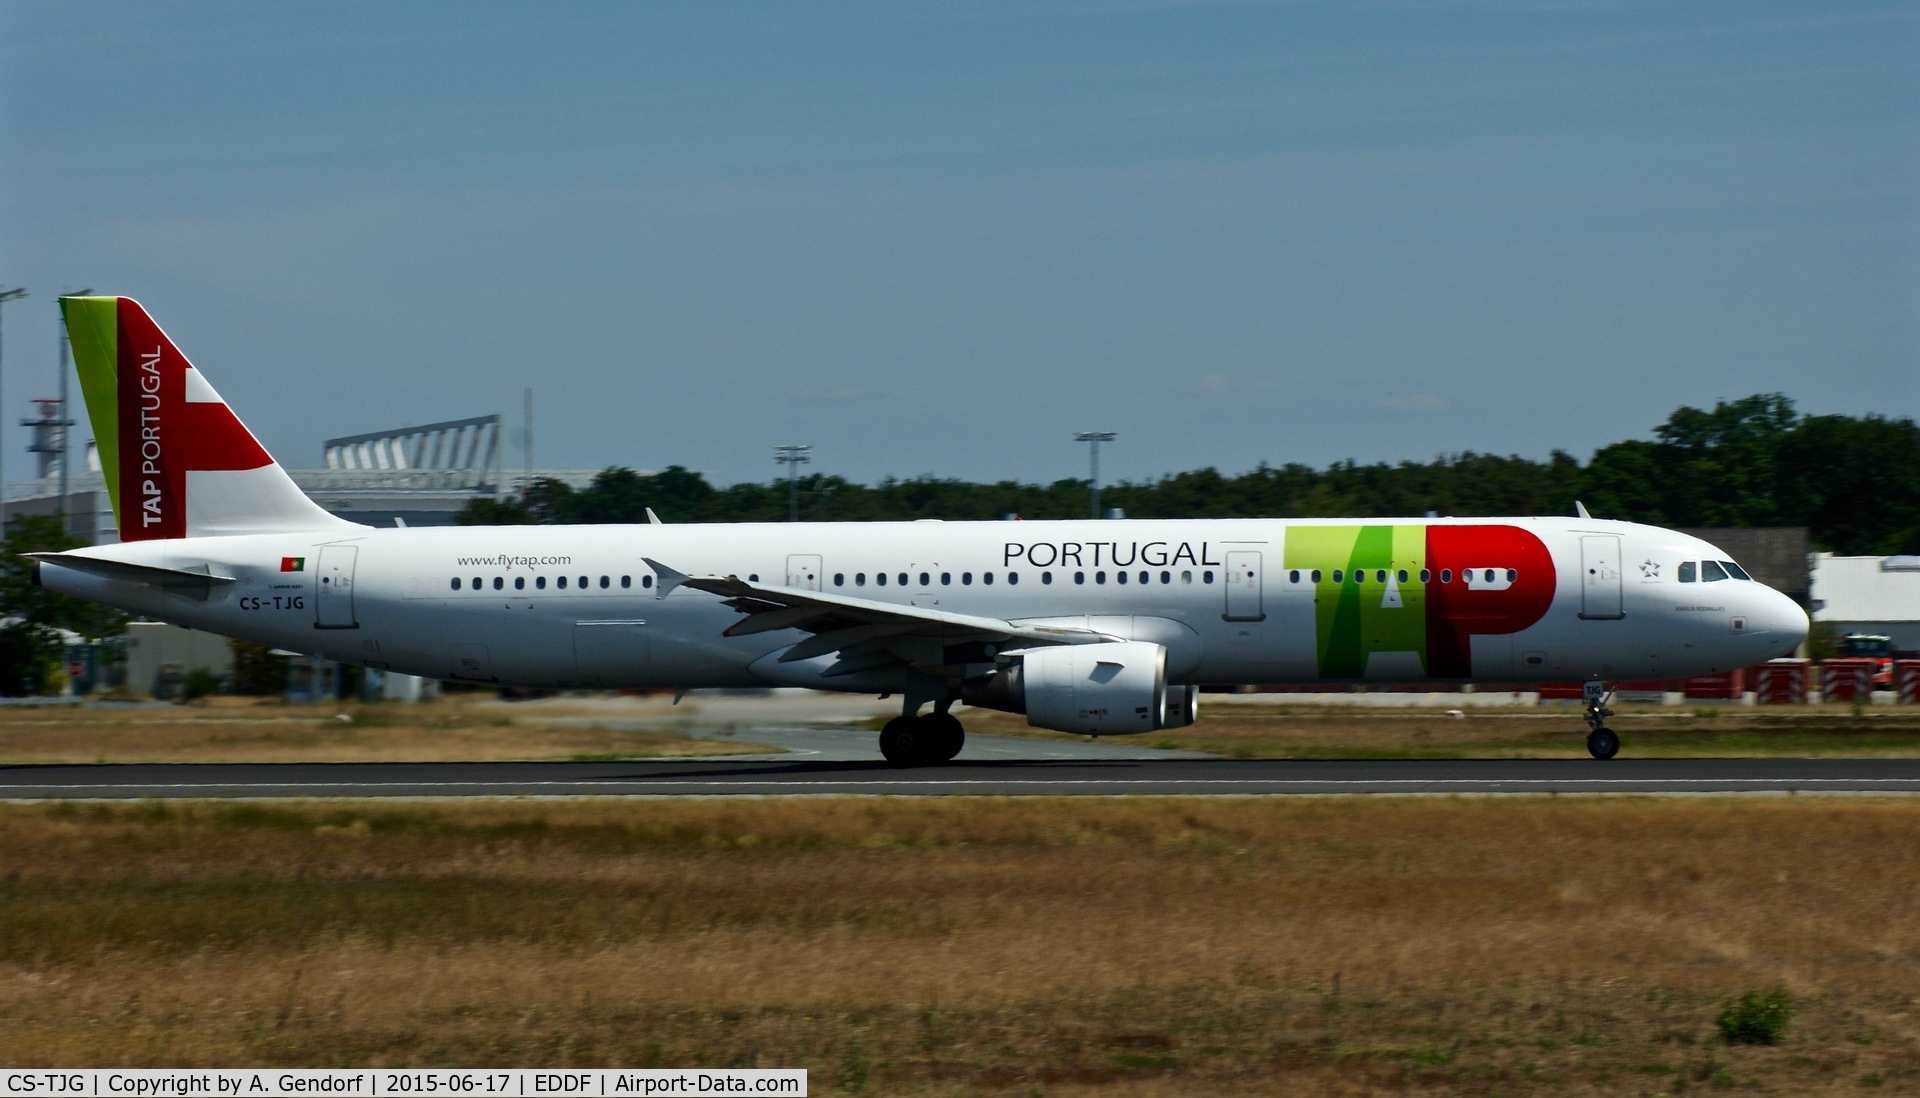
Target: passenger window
946,579
752,577
1013,577
1425,576
966,579
1186,576
1339,574
1686,571
1046,578
926,580
519,583
605,583
1446,575
646,581
1100,577
839,579
1079,577
1144,577
1380,575
1735,570
1489,575
626,581
561,583
1711,572
476,583
498,583
1316,575
540,582
859,579
1512,575
879,579
583,583
986,578
456,583
1166,577
1206,576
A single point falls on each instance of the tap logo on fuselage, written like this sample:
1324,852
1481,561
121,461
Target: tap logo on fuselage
1427,590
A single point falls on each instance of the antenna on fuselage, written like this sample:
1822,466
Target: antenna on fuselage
1581,509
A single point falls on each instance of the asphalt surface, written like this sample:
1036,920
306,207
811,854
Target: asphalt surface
800,777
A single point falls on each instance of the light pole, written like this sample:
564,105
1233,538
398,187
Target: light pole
793,457
14,294
1095,438
66,426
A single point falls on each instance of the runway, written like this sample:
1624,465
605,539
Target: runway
1161,777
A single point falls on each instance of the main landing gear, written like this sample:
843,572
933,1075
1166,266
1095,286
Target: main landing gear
912,740
1602,742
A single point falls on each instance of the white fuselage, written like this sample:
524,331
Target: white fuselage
1231,600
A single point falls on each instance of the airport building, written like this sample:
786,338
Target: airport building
1873,595
419,476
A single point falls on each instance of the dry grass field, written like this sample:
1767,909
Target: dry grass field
967,946
461,728
1249,731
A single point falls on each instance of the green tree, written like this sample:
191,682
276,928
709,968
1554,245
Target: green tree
30,616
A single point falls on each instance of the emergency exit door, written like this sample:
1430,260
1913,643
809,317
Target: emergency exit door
1243,587
803,572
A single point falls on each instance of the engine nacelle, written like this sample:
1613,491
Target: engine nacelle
1107,689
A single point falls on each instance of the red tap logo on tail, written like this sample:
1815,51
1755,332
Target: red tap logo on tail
161,427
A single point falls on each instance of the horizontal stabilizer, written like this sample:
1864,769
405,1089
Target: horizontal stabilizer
171,579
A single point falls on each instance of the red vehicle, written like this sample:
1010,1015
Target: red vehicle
1871,646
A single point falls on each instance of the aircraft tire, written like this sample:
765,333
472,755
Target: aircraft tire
1603,743
903,741
946,736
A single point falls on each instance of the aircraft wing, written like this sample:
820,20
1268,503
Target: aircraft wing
864,633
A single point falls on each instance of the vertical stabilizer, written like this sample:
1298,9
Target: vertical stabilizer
178,462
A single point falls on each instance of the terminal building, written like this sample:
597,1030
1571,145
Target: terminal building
419,476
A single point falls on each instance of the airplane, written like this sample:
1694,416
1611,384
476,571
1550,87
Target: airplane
1098,627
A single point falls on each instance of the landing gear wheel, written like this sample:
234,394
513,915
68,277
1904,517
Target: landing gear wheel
1602,743
903,741
945,736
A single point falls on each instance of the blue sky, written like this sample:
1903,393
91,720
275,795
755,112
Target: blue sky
938,239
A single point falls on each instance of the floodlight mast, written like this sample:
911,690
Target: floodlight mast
14,294
793,457
1094,439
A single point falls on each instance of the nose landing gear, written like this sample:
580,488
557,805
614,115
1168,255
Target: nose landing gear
1602,742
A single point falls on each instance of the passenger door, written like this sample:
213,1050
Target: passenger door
333,588
1600,577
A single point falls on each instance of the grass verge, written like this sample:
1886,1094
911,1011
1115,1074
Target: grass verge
1073,946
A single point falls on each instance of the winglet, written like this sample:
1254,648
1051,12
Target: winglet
1581,509
666,578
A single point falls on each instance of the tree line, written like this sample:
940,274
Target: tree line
1853,481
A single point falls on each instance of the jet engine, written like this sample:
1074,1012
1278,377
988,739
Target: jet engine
1106,689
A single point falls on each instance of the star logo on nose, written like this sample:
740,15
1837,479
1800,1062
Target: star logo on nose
1650,570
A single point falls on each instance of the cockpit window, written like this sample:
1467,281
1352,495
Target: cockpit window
1686,571
1711,572
1735,570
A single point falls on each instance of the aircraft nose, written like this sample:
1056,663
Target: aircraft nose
1782,620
